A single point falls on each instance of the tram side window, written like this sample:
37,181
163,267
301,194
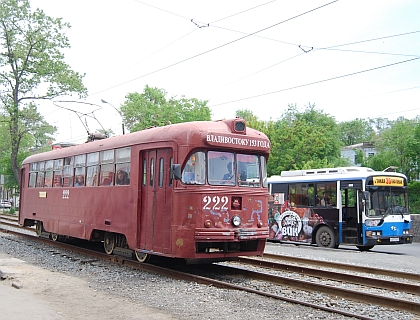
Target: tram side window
32,174
122,167
195,169
32,179
41,175
48,177
79,177
107,167
58,172
68,172
92,160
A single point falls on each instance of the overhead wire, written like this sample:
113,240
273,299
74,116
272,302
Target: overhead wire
216,48
315,82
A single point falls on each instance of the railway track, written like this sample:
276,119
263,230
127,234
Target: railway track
251,271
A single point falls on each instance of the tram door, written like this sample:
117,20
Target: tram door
156,201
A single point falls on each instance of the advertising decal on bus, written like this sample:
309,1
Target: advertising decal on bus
291,223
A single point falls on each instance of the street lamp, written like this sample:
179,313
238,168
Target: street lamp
122,123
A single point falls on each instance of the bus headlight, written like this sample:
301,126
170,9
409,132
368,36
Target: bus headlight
373,233
372,222
406,231
236,221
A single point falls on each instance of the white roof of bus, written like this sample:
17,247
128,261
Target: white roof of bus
342,173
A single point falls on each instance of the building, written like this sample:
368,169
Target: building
350,152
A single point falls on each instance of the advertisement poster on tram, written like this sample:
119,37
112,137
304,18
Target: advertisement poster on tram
289,223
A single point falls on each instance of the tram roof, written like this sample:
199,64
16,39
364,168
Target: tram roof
330,174
182,133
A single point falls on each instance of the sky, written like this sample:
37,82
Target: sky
350,58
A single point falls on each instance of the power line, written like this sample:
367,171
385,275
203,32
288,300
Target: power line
326,48
213,49
316,82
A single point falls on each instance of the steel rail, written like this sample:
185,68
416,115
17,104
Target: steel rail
331,275
354,295
327,264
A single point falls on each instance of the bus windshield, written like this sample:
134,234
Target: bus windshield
225,169
387,200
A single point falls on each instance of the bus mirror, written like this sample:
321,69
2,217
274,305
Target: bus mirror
176,171
366,196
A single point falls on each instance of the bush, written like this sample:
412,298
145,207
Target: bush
414,197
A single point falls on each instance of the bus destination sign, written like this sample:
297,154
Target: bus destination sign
388,181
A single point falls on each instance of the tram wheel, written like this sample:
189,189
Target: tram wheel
142,257
109,242
54,236
325,237
364,248
39,228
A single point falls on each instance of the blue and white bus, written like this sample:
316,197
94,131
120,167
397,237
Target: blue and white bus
339,206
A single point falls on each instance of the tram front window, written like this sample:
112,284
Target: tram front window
387,200
224,169
195,170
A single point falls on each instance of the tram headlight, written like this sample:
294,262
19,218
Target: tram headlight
236,221
207,223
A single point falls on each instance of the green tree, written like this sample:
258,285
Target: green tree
355,131
304,140
152,108
32,67
394,145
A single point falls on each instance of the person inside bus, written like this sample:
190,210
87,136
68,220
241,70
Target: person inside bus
122,178
80,181
325,201
229,174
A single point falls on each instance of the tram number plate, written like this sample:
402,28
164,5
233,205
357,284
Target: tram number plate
394,239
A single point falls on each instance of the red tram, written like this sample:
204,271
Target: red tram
196,191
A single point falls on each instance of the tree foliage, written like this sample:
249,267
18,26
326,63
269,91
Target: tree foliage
152,108
305,139
32,67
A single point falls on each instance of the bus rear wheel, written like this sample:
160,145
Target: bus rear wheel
142,257
364,248
325,237
109,242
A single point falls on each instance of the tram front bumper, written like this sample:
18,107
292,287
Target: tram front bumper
230,235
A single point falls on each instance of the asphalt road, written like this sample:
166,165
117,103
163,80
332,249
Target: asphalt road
412,249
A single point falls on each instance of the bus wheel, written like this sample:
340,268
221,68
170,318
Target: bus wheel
109,242
39,228
364,248
142,257
54,236
325,237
